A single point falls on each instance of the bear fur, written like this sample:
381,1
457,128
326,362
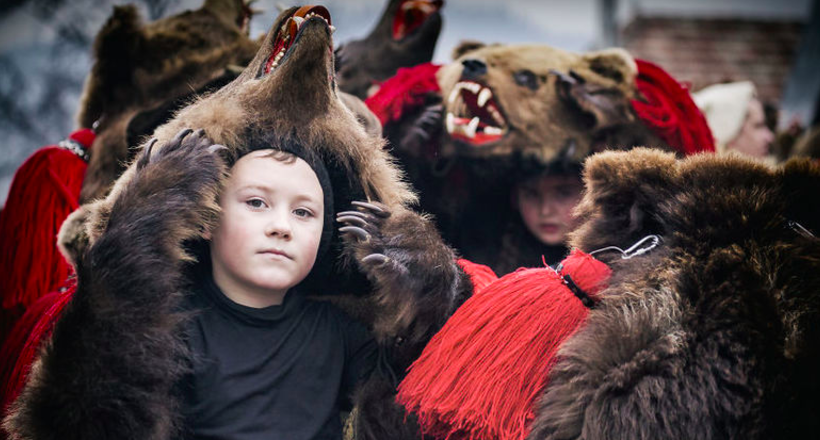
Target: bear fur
711,335
143,72
362,64
552,109
110,367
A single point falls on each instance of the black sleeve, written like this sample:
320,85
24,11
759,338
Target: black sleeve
361,357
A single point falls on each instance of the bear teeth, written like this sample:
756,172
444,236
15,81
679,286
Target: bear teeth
464,119
484,96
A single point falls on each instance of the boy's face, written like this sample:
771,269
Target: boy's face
546,203
270,226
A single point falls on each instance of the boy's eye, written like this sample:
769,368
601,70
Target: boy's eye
301,212
256,203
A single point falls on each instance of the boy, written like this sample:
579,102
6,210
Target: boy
268,362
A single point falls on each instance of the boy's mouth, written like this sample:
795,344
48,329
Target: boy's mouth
276,253
290,31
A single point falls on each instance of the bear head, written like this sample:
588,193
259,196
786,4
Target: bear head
286,95
405,35
536,101
142,73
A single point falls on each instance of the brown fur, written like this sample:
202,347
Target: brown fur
544,122
117,352
808,145
709,335
143,72
360,64
574,105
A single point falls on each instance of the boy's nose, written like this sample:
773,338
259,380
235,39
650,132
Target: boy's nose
278,226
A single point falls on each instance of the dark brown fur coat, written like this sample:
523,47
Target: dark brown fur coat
712,335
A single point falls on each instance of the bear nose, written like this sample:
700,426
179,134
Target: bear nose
473,68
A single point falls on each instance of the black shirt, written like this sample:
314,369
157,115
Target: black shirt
279,372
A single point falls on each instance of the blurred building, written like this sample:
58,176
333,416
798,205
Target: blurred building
701,42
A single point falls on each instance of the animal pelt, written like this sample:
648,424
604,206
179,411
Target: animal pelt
534,108
115,355
415,261
144,72
405,35
713,334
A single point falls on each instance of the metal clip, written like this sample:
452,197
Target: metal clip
635,249
797,227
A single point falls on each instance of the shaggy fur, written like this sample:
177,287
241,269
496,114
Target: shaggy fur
362,63
713,334
142,73
129,284
574,98
559,107
109,370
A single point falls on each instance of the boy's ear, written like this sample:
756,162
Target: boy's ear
623,193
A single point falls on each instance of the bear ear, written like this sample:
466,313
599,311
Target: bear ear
623,198
615,64
116,47
600,88
466,46
800,183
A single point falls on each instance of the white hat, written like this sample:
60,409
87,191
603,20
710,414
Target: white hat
725,107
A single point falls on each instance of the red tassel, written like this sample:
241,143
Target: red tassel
23,344
479,377
669,111
45,190
404,91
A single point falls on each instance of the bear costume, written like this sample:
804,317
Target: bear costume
469,130
93,377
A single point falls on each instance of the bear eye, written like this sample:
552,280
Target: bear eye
526,78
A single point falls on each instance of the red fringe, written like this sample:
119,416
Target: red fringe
23,344
479,377
669,111
45,190
403,91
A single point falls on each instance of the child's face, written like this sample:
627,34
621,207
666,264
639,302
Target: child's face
270,226
545,204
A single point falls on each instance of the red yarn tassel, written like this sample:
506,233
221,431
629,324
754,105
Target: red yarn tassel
669,111
404,91
479,377
45,190
23,344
